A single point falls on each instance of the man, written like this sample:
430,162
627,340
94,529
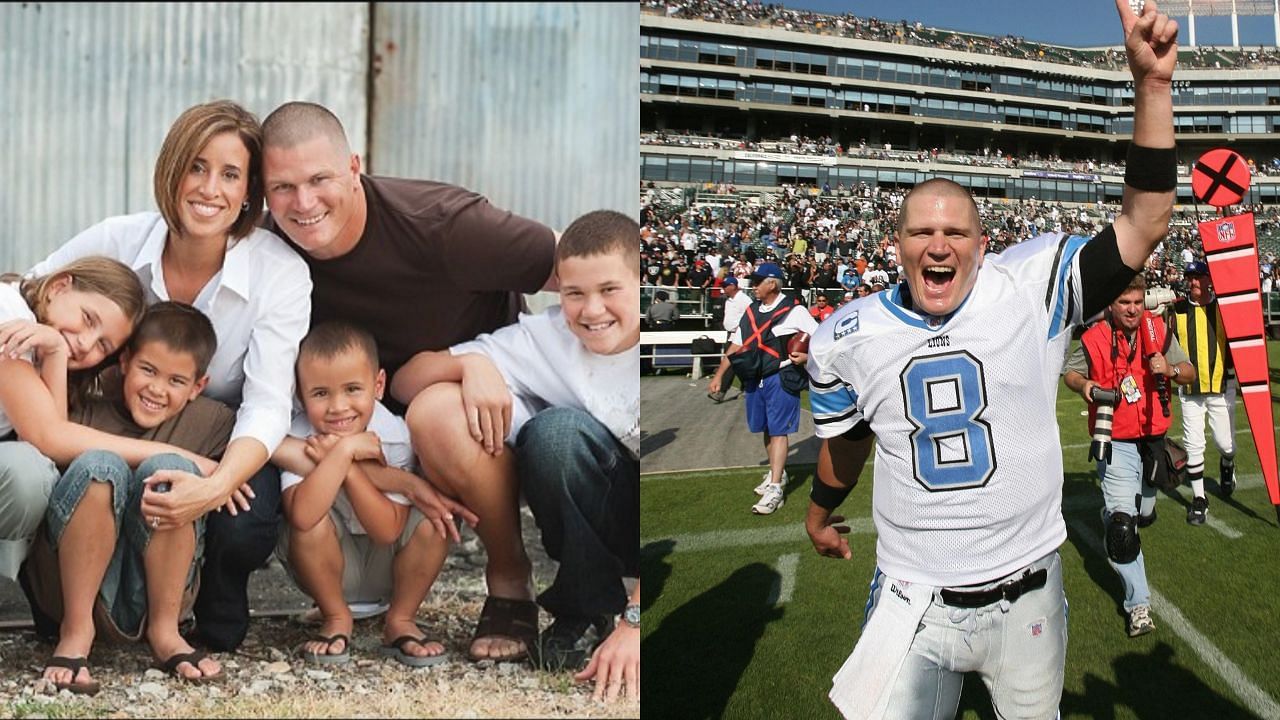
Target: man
699,279
771,377
953,373
735,304
422,265
663,313
1114,355
821,309
1212,394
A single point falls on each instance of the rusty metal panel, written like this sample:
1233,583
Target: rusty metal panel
534,105
88,91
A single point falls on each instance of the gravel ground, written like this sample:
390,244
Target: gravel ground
264,678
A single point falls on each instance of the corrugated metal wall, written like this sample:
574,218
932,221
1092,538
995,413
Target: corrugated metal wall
535,106
88,91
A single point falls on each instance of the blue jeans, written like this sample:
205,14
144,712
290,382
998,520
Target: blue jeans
583,487
124,586
235,546
1121,484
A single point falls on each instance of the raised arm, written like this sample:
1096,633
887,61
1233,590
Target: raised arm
1151,167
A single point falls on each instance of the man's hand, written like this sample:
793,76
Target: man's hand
1160,366
827,535
798,358
615,663
714,385
1150,42
486,403
1086,391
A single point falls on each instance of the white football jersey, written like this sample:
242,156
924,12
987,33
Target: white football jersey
968,463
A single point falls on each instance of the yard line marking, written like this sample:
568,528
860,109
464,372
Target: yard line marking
722,539
650,475
1228,531
1240,431
1253,696
785,586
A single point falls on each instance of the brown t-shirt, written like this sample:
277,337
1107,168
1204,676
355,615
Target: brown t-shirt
203,427
437,265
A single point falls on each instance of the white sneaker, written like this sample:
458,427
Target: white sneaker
768,480
770,501
1140,622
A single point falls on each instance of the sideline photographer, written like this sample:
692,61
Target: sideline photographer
1128,358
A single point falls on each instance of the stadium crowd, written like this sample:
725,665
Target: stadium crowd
756,14
990,155
841,246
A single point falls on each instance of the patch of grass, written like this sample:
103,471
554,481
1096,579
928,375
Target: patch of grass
56,708
730,646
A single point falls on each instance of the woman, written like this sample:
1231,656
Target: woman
204,248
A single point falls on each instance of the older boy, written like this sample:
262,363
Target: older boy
99,557
562,388
347,540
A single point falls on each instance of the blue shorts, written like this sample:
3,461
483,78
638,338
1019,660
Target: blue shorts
123,593
772,410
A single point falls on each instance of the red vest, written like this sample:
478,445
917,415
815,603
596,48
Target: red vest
1109,363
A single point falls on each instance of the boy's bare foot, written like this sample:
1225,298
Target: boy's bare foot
332,627
422,647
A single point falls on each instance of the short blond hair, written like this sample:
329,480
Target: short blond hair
188,135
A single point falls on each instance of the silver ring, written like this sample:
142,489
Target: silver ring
155,521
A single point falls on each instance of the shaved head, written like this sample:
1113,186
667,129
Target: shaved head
294,123
938,188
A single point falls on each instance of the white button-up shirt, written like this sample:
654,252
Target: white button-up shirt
259,303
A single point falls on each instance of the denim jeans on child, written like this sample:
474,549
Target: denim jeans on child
583,487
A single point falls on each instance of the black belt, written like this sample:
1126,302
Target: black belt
1010,590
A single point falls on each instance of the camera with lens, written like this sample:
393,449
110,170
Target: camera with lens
1157,297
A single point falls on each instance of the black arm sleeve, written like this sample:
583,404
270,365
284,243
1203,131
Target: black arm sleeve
1103,275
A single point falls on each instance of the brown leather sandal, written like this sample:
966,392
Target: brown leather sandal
507,618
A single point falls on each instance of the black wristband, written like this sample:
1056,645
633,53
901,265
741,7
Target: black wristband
1151,169
827,497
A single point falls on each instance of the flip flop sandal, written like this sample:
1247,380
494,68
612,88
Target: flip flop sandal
395,650
327,658
170,667
75,665
507,618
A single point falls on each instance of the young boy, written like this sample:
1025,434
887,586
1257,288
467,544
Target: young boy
99,559
562,387
347,541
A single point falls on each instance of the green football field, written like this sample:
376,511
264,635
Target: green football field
743,619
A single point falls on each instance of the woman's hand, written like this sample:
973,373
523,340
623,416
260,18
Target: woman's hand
19,336
189,496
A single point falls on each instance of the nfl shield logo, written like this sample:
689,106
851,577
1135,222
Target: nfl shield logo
1226,232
